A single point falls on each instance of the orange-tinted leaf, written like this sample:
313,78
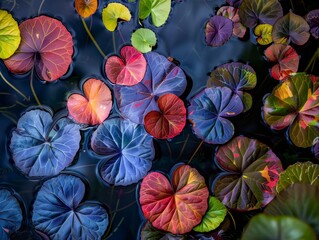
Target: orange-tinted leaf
94,107
86,8
171,119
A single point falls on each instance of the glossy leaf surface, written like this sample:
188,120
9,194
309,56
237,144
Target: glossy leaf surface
218,30
252,174
291,28
127,70
161,77
58,211
42,146
287,60
143,39
113,13
209,110
158,9
313,20
86,8
175,206
169,121
92,108
263,33
46,45
126,149
150,233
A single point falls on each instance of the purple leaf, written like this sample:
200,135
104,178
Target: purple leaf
313,20
218,30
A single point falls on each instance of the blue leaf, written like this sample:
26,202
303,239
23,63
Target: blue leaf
127,151
42,147
59,213
161,77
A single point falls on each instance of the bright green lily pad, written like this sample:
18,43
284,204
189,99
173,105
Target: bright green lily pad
158,9
143,39
214,216
9,35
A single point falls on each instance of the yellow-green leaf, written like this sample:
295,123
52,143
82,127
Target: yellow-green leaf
113,13
263,32
158,9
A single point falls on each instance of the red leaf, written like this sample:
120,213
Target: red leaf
94,107
176,207
170,121
46,45
129,70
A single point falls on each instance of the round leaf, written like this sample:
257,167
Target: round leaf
86,8
92,108
9,35
143,40
127,151
46,45
171,119
127,70
252,174
263,33
158,9
218,31
313,20
113,13
177,206
148,232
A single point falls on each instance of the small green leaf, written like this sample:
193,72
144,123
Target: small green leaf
247,100
158,9
263,32
113,13
143,40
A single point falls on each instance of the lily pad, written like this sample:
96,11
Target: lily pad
208,111
287,60
218,31
46,45
86,8
263,33
143,39
42,146
294,104
58,211
175,206
127,70
252,174
313,20
113,13
158,9
9,35
126,149
149,232
291,28
92,108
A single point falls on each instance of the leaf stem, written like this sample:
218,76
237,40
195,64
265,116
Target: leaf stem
113,40
312,60
113,217
32,88
231,216
40,7
9,115
127,206
13,6
198,147
116,228
14,88
183,148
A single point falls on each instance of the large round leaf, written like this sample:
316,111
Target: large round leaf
295,103
143,39
252,174
9,35
158,9
113,13
291,28
277,228
208,111
86,8
42,146
127,151
94,107
161,77
46,45
313,20
59,213
171,119
148,232
218,30
175,206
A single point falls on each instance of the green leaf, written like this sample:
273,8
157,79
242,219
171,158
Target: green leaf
247,100
214,216
9,35
113,13
158,9
149,232
263,227
143,40
263,33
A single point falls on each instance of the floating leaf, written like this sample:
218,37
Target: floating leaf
127,70
214,216
291,28
299,173
59,213
287,60
313,20
234,3
295,103
9,35
150,233
161,77
92,108
158,9
46,45
253,12
252,174
143,40
171,119
10,214
42,146
208,111
175,206
266,227
263,33
86,8
113,13
127,151
218,31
